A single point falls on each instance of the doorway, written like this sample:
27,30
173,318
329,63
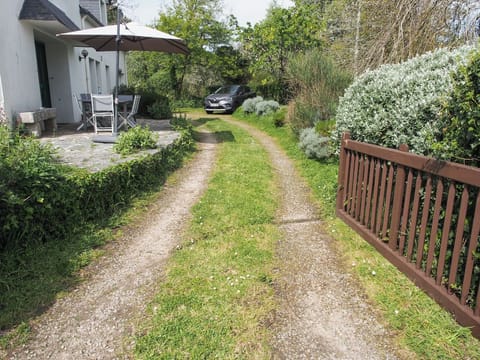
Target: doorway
43,74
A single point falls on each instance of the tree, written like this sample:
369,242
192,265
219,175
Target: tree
212,60
112,6
364,34
269,43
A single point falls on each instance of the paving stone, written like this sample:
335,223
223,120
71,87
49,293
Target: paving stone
78,148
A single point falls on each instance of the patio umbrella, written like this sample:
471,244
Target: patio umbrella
126,37
132,37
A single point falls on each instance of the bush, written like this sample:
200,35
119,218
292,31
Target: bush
278,118
136,139
192,102
34,196
325,127
460,117
318,83
273,90
179,122
160,109
259,106
399,103
249,105
151,104
314,145
266,107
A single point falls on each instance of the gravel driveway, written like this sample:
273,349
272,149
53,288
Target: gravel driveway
322,314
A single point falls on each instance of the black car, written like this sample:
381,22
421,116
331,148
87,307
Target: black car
227,98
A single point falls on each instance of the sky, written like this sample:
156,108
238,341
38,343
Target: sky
145,11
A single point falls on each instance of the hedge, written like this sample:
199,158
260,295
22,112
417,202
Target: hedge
41,200
400,103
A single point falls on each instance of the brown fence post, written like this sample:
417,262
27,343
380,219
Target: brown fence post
342,171
397,202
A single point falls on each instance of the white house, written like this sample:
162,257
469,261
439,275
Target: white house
37,69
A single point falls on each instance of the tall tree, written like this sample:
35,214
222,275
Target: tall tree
209,39
269,43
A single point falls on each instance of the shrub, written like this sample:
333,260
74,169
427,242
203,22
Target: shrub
278,118
136,139
259,106
249,105
318,83
192,102
179,121
160,109
460,117
266,107
325,127
314,145
151,104
274,90
34,196
399,103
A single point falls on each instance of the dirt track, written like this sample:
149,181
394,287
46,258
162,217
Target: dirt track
322,314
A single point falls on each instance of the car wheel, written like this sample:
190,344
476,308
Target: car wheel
209,111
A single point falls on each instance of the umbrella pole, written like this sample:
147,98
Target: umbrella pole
117,68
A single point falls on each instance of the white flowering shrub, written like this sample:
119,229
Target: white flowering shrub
399,103
249,105
313,144
266,107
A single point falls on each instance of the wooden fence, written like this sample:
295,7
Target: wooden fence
422,214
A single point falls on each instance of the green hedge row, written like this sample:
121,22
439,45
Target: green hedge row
41,200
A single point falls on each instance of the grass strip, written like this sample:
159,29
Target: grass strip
218,293
422,328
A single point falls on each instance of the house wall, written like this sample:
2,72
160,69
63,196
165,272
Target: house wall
18,66
66,66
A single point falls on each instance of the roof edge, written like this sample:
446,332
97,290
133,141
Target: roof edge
86,12
46,11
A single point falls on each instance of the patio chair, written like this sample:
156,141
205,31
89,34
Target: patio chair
102,112
85,110
129,119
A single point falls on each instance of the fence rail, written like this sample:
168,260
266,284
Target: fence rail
422,214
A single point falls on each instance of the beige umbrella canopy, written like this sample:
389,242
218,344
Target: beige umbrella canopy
132,37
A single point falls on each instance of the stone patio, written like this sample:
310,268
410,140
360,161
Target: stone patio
77,148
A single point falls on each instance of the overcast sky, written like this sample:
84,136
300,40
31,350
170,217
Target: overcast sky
145,11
